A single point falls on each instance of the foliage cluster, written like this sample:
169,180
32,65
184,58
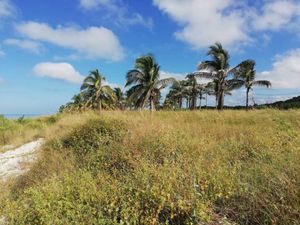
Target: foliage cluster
165,168
21,130
145,84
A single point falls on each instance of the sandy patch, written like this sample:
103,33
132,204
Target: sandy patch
11,161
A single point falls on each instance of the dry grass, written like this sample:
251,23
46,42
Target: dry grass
15,132
202,167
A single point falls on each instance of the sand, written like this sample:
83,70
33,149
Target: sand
11,161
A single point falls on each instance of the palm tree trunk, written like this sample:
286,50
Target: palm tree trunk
221,100
206,100
193,102
217,99
100,105
180,103
200,102
221,88
152,105
247,99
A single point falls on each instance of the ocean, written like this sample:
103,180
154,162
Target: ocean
16,116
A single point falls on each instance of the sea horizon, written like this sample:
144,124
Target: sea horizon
18,115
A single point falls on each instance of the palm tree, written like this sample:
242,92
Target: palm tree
202,90
145,82
247,73
96,92
213,89
78,102
120,97
177,91
176,95
192,88
195,89
219,70
75,105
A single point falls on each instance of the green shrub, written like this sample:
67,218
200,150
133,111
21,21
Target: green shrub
74,200
168,168
93,135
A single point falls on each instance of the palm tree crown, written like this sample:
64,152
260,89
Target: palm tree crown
120,97
145,82
194,89
96,92
177,93
218,69
246,72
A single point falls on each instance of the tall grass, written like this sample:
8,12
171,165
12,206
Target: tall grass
207,167
17,131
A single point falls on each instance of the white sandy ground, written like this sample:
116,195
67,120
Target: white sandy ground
11,161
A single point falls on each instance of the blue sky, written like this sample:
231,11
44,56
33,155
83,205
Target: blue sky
47,47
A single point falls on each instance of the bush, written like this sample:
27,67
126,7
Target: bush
93,135
73,200
169,168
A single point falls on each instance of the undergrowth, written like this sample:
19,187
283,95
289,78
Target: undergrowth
14,132
207,167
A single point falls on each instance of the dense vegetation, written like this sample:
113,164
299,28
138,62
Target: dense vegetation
182,167
145,85
200,167
18,131
293,103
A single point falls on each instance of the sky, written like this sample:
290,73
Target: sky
48,47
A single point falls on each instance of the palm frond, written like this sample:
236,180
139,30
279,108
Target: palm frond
109,92
262,83
234,84
133,77
203,74
244,69
163,83
208,65
219,55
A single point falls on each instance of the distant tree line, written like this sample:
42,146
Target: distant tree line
293,103
144,85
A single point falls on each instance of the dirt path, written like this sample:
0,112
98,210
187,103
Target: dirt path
11,161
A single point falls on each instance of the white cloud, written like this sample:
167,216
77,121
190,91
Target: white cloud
178,76
270,99
206,22
6,8
181,76
278,14
60,71
92,4
93,42
134,19
117,11
230,22
29,45
72,57
113,85
285,71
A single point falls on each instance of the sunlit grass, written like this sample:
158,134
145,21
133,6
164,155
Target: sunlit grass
14,132
201,167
